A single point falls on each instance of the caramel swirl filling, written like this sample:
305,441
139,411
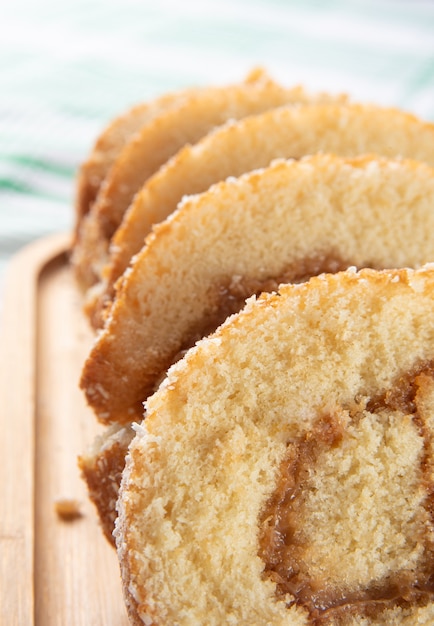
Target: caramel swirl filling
229,295
349,529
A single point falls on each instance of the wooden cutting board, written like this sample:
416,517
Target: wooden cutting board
52,571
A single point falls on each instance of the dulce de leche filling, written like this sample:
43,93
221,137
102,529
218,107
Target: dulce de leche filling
349,529
229,296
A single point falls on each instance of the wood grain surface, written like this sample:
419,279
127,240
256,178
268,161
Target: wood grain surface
52,571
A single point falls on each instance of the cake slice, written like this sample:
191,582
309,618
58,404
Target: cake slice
184,119
284,223
109,145
289,132
284,472
101,467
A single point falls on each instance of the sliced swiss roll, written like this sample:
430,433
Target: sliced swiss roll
284,472
284,223
253,142
171,122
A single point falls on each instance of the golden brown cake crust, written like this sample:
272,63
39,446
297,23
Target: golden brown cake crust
283,223
108,146
288,132
101,468
172,122
338,369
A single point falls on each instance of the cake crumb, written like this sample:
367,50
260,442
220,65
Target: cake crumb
68,509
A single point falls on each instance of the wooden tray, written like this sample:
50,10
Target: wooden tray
51,571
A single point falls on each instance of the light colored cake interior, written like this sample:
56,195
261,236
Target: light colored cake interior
253,142
280,224
339,368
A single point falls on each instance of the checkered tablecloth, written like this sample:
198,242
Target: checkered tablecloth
67,67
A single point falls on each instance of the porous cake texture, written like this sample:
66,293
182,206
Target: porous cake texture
284,472
284,223
253,142
154,132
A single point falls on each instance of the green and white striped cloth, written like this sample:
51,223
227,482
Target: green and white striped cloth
67,67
